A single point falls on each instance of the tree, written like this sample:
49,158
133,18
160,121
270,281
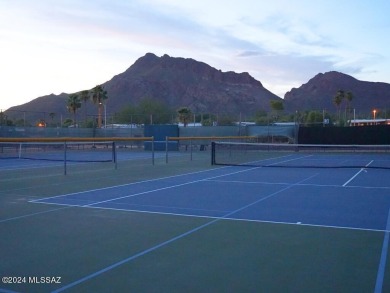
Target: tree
184,115
144,111
337,100
349,98
99,95
226,120
261,117
128,115
277,107
154,112
3,118
85,96
67,122
315,118
73,104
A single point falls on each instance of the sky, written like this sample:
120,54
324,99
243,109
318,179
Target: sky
55,46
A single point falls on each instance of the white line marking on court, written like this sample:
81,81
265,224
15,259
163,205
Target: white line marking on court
162,244
186,183
303,184
236,219
307,225
168,187
354,176
382,263
163,178
248,182
33,214
168,207
128,184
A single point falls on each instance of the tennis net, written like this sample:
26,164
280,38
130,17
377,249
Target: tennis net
75,150
57,151
300,156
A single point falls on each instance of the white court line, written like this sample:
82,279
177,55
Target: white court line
303,184
169,187
163,178
33,214
382,263
209,217
126,184
171,240
186,183
354,176
237,219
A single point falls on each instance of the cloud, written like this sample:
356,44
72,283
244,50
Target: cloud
280,44
281,72
248,54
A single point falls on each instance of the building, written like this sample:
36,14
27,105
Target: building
365,122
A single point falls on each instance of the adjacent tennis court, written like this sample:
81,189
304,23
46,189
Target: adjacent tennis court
190,226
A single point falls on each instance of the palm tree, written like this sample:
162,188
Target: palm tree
74,103
98,97
84,96
349,98
184,115
337,100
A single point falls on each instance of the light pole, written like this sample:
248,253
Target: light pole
374,111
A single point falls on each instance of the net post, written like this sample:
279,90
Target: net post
166,150
65,157
296,133
114,159
213,153
20,150
153,150
191,148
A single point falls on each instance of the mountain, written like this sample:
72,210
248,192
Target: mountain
177,82
318,94
39,108
186,82
180,82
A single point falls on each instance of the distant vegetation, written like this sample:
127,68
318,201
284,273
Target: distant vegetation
150,111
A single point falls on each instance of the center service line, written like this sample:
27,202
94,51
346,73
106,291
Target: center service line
354,176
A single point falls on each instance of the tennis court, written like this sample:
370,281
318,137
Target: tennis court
190,226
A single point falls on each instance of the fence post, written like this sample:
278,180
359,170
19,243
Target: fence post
153,150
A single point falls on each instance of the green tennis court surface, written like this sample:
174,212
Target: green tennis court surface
187,226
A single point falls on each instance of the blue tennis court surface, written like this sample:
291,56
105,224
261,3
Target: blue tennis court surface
237,228
345,198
